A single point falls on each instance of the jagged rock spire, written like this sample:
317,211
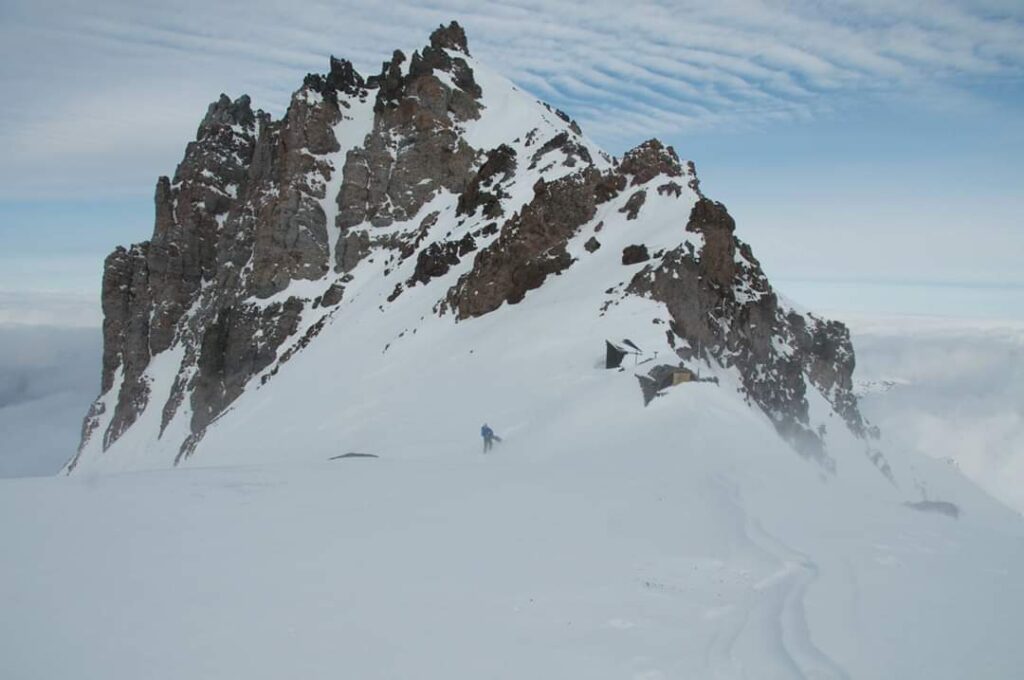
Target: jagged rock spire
344,77
450,37
649,160
227,112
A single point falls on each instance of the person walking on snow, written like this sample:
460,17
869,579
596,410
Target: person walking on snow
489,437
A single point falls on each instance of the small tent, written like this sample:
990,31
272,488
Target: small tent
613,355
616,352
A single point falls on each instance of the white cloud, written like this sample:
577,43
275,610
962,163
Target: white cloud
27,308
101,97
959,394
124,80
48,376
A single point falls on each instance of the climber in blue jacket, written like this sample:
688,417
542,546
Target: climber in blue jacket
489,437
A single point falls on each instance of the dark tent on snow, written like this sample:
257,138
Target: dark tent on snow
616,352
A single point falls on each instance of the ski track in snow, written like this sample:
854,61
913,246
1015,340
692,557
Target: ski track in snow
774,607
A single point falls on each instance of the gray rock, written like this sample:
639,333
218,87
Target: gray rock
333,295
699,293
416,114
126,312
635,254
485,189
241,341
650,159
530,248
633,205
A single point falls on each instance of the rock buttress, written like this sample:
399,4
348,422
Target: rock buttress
532,246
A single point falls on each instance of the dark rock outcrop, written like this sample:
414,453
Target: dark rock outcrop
722,305
633,205
635,254
436,259
333,295
573,151
286,217
484,189
414,149
670,189
241,218
241,341
450,37
342,78
191,209
718,256
530,248
126,325
650,159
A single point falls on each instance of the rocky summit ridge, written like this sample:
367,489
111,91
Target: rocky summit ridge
438,188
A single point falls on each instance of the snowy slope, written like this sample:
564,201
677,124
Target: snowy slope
695,547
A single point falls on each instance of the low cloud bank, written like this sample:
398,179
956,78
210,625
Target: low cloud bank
48,376
953,390
50,309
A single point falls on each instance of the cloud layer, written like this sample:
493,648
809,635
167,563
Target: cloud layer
125,80
958,395
48,377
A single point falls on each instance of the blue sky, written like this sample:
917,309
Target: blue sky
859,144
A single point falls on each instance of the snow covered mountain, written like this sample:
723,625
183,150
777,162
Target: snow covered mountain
396,261
386,240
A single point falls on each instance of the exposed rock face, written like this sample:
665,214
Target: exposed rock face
635,254
270,228
670,189
633,205
287,218
242,218
531,246
450,37
414,148
333,295
342,78
437,258
241,341
572,152
190,210
126,330
829,363
722,305
649,160
485,189
718,256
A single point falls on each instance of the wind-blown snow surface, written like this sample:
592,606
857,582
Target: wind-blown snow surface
697,547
